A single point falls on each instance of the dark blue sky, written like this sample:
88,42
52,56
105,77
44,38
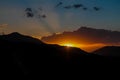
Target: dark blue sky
12,16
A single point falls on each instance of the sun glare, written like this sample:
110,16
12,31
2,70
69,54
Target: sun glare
68,45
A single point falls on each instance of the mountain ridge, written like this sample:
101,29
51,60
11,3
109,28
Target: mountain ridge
109,51
30,60
17,37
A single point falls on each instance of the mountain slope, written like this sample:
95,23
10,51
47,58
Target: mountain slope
28,59
109,51
17,37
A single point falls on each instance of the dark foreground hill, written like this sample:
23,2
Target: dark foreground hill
24,56
109,51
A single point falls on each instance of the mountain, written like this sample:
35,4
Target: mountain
109,51
17,37
86,35
23,58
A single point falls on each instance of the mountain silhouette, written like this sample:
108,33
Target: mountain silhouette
17,37
24,56
109,51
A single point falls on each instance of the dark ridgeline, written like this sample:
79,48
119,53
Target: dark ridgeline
109,51
24,56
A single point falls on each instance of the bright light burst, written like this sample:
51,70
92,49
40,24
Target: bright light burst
69,45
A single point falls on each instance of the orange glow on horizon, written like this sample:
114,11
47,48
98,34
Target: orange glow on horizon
68,45
89,47
86,47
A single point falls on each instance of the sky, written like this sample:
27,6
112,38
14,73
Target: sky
58,19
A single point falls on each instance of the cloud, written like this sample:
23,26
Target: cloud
3,25
59,4
85,35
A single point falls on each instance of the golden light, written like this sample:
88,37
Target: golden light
86,47
68,45
74,43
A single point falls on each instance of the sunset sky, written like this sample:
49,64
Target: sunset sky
58,19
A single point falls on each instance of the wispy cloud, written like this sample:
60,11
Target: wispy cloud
3,25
